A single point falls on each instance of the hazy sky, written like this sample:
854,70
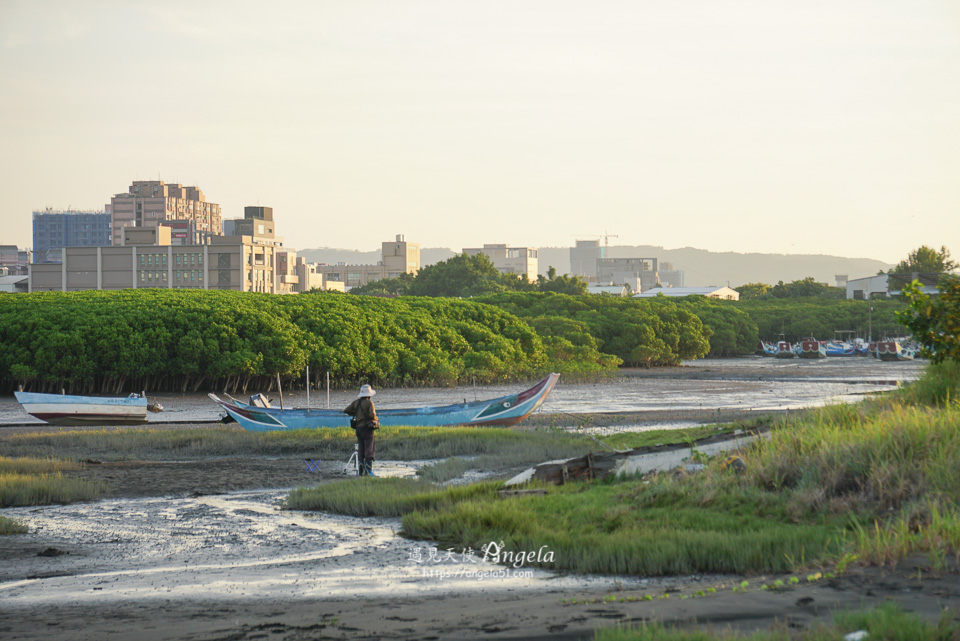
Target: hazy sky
746,125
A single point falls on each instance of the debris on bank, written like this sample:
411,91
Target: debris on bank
640,460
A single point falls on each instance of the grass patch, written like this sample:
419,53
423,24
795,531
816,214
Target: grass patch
888,621
44,489
384,497
32,481
11,526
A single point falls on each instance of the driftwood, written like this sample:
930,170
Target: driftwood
598,465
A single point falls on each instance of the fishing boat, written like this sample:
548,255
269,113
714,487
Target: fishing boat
768,349
894,351
502,412
65,409
839,348
784,350
811,348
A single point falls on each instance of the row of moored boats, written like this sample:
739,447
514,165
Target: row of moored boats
887,350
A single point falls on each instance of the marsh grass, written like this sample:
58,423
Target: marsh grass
29,465
44,489
11,526
33,481
515,447
384,497
885,622
620,528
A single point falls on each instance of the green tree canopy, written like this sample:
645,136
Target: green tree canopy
806,288
934,321
755,291
564,284
926,260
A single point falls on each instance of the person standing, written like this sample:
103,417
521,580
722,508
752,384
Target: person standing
365,414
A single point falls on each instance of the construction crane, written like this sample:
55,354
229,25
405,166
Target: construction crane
606,240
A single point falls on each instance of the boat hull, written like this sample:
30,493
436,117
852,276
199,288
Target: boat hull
62,409
500,412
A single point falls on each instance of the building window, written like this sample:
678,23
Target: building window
199,259
143,260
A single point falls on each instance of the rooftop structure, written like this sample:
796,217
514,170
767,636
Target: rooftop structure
58,228
722,293
397,257
148,203
510,260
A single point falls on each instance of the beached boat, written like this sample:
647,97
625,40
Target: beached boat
65,409
840,348
784,350
811,348
768,349
503,412
894,351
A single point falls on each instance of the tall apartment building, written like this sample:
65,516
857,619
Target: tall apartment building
148,203
55,229
397,257
510,260
146,258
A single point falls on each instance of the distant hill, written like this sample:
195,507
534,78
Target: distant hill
333,256
704,268
701,268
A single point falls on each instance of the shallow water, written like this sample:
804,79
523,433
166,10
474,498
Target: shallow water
754,383
242,545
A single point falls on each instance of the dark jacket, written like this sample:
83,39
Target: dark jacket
365,413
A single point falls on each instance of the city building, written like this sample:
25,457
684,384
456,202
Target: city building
722,293
891,285
257,221
510,260
609,290
145,258
149,203
628,271
55,229
309,278
584,257
397,257
13,260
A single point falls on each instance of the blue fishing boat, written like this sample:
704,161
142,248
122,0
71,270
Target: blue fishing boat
66,409
501,412
839,348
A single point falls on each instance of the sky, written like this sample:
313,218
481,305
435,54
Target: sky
815,127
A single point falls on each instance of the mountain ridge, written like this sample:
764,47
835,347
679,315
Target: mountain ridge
701,267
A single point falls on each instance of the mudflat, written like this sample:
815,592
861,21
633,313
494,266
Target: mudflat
199,549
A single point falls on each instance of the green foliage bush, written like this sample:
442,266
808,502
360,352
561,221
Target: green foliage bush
934,321
111,341
639,332
798,318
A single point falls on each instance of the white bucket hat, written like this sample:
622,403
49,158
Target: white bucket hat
366,390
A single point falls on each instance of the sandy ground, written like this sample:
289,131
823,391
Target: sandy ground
204,550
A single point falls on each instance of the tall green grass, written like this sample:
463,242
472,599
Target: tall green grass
44,489
32,481
11,526
384,497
